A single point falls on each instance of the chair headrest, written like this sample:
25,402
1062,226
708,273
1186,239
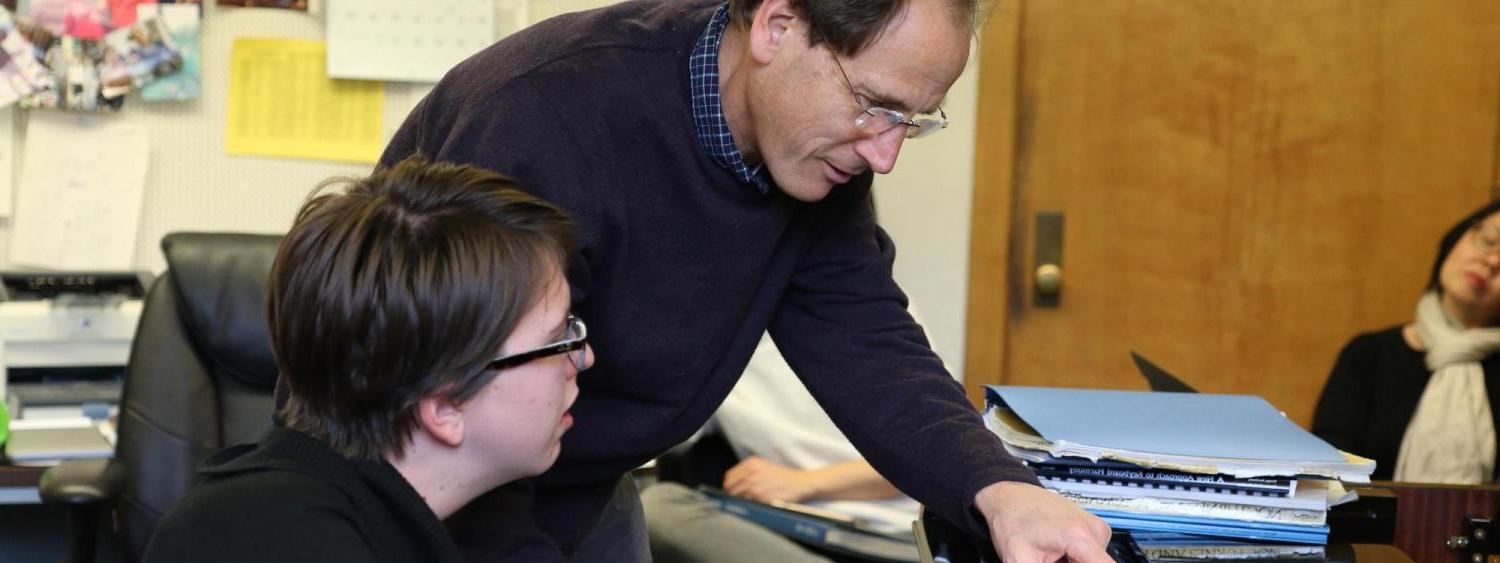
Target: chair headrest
221,285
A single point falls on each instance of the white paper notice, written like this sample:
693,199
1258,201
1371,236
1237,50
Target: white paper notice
78,205
7,159
405,40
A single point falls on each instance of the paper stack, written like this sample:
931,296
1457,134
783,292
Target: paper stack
1192,476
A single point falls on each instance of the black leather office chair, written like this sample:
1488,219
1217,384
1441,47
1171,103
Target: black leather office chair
200,377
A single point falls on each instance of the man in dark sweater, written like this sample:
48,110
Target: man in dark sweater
718,160
421,325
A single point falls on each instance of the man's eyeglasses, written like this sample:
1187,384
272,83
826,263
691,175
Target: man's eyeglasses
878,120
574,343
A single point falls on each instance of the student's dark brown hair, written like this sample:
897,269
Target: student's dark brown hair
400,285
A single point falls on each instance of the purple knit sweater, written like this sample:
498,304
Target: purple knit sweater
681,268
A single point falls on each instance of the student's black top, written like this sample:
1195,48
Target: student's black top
291,499
1372,394
681,267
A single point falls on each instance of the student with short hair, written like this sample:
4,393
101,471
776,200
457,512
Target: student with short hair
420,320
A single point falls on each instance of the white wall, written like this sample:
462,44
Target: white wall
924,204
193,185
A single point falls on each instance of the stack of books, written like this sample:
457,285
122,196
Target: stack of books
1191,476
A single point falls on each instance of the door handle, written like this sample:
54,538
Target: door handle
1046,282
1048,279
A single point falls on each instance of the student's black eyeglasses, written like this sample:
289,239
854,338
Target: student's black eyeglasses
575,339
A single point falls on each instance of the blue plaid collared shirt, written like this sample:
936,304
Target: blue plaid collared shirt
708,108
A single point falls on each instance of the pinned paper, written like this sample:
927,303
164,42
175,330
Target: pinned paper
7,160
74,83
123,12
136,56
83,19
405,40
21,73
283,4
181,21
78,205
282,103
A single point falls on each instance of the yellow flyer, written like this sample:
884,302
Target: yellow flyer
282,103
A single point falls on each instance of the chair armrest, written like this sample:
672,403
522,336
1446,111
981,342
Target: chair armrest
82,482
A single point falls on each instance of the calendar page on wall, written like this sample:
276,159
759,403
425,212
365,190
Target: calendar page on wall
411,41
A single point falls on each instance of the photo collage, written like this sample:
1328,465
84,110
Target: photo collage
84,55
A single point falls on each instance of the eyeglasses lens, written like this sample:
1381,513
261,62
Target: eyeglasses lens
577,330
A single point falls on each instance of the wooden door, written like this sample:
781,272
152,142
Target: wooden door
1245,184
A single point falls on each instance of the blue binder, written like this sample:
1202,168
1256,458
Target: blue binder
1187,424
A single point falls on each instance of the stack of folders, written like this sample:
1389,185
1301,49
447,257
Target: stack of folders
1192,476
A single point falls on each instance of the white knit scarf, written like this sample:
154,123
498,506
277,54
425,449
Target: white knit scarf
1451,438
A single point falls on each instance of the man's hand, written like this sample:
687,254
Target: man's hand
760,480
1030,524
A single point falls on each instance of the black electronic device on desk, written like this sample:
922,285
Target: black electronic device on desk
35,286
941,542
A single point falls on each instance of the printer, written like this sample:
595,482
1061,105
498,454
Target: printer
64,340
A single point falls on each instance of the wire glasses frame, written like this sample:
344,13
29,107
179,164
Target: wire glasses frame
878,120
575,340
1487,241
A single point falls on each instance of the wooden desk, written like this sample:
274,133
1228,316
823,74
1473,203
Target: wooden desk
1367,553
952,545
1427,515
18,484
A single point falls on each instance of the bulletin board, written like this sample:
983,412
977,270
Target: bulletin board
191,184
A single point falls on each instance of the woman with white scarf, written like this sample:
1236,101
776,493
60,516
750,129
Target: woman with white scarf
1417,397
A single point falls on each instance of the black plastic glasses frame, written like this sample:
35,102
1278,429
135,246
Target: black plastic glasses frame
577,338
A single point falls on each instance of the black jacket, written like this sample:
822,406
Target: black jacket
1372,394
292,498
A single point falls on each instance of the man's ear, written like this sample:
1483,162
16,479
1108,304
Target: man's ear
442,419
774,22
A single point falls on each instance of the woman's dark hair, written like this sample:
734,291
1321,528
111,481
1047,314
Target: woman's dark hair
401,286
1450,239
849,25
